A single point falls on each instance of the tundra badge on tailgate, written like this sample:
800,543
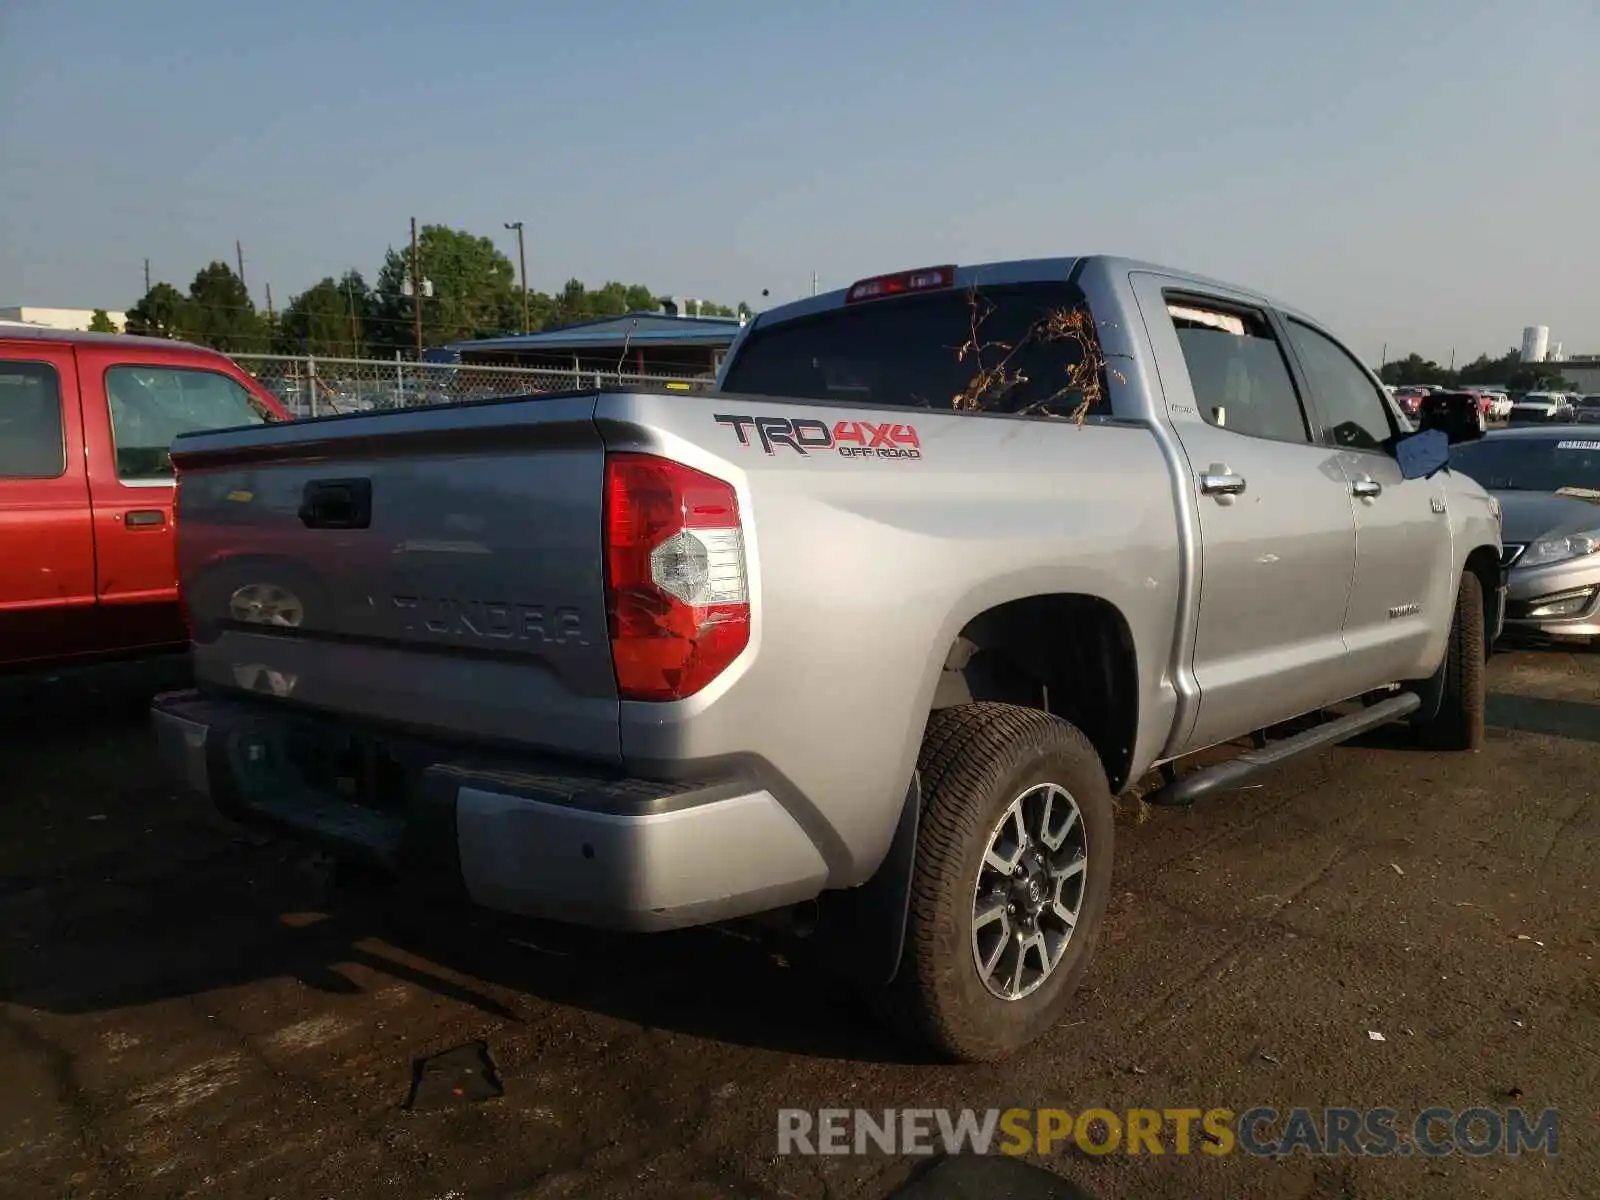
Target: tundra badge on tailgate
848,439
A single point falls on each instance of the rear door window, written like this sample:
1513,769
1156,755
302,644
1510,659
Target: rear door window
1017,348
152,405
32,433
1240,377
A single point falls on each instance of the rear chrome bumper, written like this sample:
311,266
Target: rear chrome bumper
526,837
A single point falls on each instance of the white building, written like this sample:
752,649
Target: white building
58,318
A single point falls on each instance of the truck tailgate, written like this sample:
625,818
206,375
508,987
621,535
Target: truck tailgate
441,568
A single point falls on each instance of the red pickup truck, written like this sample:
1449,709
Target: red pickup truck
87,563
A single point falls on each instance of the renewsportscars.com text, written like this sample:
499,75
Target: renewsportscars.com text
1259,1131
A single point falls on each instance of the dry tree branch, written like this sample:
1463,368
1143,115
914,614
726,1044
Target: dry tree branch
990,383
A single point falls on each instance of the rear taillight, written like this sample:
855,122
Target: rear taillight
677,598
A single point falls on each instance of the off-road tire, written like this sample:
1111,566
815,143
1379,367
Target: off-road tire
1459,723
975,760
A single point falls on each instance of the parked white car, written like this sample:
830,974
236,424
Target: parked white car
1540,406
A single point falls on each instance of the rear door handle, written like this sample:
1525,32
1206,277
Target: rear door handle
144,518
1221,484
1365,486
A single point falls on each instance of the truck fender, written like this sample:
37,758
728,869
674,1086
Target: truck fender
860,932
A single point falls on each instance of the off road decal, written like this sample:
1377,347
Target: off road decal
806,435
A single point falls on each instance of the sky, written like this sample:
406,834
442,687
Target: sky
1422,175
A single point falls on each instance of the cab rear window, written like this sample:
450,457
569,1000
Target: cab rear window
919,352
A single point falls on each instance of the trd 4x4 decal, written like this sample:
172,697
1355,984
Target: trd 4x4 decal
847,439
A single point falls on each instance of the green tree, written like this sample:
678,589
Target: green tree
541,310
1413,368
472,285
329,318
572,304
1507,371
100,322
613,299
223,315
1539,377
162,312
1484,370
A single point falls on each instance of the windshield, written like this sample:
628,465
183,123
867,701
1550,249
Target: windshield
907,352
1531,464
152,405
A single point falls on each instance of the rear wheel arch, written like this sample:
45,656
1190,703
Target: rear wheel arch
1067,653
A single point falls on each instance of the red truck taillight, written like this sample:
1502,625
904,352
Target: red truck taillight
677,597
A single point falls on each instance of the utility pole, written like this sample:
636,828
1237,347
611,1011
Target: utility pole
416,287
813,283
522,261
238,254
1385,361
147,276
270,317
350,295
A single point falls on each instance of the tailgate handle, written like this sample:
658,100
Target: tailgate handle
337,504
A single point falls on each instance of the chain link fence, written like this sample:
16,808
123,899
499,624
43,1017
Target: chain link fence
317,387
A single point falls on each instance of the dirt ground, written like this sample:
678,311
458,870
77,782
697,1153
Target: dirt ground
186,1011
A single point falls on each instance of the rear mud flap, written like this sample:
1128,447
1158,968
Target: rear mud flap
860,932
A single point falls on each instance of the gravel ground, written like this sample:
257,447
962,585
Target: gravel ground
188,1010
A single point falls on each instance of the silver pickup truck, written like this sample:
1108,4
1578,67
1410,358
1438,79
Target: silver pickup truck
864,642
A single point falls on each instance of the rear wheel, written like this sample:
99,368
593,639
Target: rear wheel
1459,723
1012,874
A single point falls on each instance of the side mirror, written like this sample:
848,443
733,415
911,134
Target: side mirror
1458,416
1423,454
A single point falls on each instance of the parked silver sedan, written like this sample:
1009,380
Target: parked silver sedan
1547,480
